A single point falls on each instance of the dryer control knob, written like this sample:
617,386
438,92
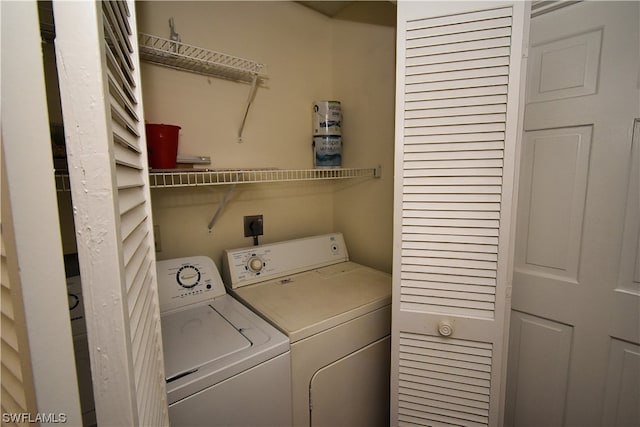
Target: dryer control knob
445,328
255,264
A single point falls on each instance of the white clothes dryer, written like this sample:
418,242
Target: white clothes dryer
337,315
224,365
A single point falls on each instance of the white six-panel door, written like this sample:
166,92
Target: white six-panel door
575,333
458,98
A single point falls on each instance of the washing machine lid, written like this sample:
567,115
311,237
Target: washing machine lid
230,354
307,303
196,337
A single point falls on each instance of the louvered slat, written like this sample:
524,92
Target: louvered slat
451,49
134,291
11,359
129,198
462,39
135,242
464,254
452,287
451,111
466,149
478,408
125,156
139,339
411,173
121,135
128,177
6,302
454,138
9,336
454,119
453,57
136,268
130,221
469,399
121,115
445,70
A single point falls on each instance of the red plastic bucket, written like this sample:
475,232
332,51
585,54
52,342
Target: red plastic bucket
162,145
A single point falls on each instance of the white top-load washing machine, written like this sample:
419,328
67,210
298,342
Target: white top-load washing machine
338,317
224,365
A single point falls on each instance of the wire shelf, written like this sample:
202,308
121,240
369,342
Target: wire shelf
176,178
185,57
170,179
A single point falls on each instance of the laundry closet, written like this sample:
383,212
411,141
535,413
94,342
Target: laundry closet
305,56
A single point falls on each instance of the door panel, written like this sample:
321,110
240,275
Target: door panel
577,233
627,292
554,174
565,68
623,383
529,341
457,113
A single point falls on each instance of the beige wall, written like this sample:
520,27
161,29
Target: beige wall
364,79
308,57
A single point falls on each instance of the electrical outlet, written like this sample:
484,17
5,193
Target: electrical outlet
253,225
156,238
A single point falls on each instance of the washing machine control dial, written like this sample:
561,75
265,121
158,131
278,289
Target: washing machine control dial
255,264
188,276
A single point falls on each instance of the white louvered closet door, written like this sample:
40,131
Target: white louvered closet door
98,67
458,108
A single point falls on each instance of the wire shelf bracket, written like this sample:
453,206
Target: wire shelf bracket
218,212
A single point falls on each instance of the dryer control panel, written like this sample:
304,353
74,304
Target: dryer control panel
185,281
245,266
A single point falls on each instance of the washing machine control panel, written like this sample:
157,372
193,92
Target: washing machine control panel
184,281
246,266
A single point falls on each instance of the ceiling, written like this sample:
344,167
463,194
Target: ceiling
378,12
329,8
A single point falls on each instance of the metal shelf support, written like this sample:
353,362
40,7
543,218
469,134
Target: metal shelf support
215,216
252,94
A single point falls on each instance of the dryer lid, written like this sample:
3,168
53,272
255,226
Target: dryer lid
195,337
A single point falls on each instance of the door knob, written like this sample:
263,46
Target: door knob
445,328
